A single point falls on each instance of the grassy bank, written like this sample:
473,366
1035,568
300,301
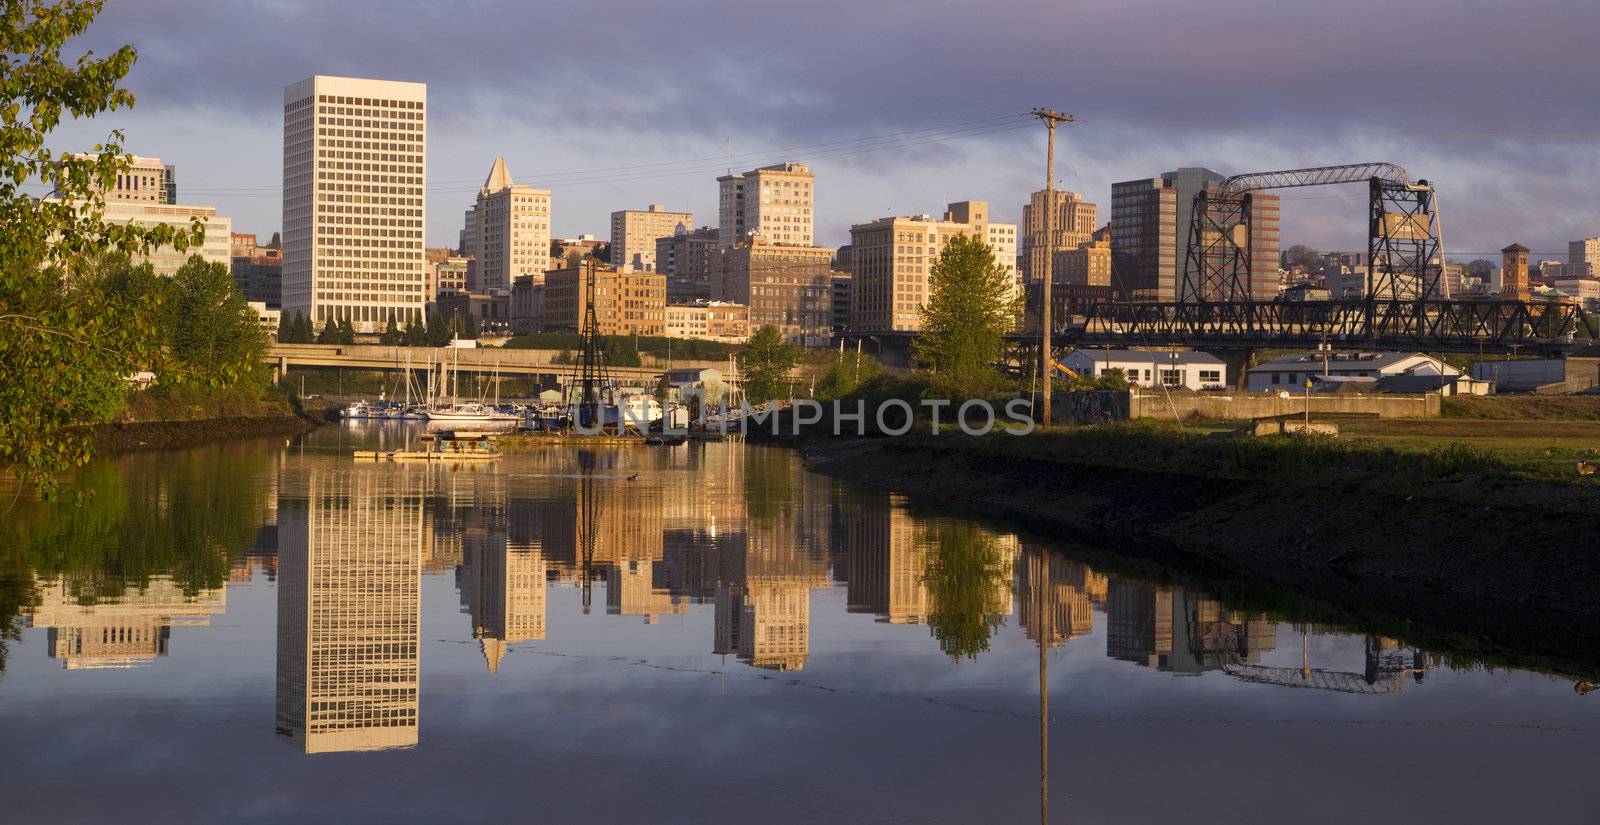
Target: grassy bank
168,417
1489,544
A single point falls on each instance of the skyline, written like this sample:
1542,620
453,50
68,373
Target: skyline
1509,162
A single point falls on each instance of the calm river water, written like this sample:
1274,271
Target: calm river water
270,632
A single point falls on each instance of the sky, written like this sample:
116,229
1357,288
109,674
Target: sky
900,107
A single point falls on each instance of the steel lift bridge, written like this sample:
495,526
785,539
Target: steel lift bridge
1406,304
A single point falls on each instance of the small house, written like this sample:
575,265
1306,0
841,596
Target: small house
1145,368
1291,372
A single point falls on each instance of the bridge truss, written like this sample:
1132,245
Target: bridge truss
1404,247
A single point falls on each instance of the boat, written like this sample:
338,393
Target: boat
357,410
469,412
451,445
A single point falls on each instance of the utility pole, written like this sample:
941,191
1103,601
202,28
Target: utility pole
1050,117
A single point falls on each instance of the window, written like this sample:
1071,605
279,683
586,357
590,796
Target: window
1276,378
1210,376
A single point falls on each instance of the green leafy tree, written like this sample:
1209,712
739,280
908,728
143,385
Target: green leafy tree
329,333
847,372
764,365
347,332
392,336
438,331
1113,378
619,351
276,242
213,335
416,335
663,389
66,347
969,311
965,573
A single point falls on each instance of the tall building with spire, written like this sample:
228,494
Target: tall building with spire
1073,224
503,589
507,232
354,200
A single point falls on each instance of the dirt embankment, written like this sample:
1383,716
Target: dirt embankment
122,437
1503,566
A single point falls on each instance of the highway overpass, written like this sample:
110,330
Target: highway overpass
534,363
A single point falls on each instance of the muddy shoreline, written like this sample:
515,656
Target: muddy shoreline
124,437
1504,572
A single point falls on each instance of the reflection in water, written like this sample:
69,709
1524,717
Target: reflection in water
119,631
742,534
349,568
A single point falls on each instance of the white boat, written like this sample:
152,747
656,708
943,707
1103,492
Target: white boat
358,410
468,411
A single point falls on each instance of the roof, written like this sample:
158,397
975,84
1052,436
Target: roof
499,177
1338,360
1516,247
1102,354
1416,383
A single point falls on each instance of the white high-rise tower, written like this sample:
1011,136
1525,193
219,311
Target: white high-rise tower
354,206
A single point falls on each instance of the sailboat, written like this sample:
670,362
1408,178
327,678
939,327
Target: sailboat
459,412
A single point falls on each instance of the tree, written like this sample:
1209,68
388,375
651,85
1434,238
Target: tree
438,332
213,336
966,578
392,336
347,332
847,372
663,389
416,335
764,365
1112,378
1302,255
329,333
970,308
1482,268
66,347
276,242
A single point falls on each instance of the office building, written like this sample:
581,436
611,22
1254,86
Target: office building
507,231
166,260
685,258
627,302
774,202
489,311
1087,264
448,275
527,305
843,284
892,258
634,233
786,286
502,586
709,320
349,589
1150,236
145,180
1583,258
1074,222
257,270
354,185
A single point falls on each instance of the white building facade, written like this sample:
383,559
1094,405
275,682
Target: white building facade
354,206
1291,372
1142,368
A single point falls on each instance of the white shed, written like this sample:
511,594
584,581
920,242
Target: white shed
1147,368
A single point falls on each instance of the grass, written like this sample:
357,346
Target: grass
1522,407
1394,455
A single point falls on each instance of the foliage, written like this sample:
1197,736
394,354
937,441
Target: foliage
392,336
295,329
436,332
276,242
65,346
416,335
663,389
119,523
1302,255
965,572
847,372
764,365
213,338
969,310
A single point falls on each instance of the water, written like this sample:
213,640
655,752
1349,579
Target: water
268,632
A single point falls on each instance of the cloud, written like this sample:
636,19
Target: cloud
1492,101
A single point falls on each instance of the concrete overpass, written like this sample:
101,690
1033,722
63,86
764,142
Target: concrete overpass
534,363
